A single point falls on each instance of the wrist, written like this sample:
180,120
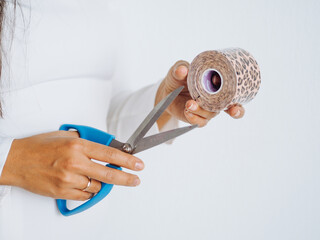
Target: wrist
8,173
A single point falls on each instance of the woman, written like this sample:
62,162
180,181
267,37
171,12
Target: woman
57,67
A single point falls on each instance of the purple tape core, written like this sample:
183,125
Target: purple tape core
208,84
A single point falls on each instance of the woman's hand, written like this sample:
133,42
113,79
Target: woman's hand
58,165
183,107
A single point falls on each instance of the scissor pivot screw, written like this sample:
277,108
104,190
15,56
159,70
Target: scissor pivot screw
127,148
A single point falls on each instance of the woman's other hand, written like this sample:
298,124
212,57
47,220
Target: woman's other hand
58,165
184,107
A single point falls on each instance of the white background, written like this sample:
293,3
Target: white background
254,178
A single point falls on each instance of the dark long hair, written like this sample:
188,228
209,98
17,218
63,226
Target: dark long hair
2,8
3,5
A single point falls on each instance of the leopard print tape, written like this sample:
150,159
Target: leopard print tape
238,77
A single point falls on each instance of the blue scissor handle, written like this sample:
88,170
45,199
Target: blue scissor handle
97,136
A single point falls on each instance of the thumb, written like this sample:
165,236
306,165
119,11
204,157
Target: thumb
177,75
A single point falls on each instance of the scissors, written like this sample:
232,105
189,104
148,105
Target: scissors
136,143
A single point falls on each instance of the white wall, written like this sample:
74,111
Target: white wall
255,178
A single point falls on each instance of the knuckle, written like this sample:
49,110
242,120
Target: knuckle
84,196
127,162
96,186
74,145
130,161
63,179
191,118
111,153
71,163
68,163
109,176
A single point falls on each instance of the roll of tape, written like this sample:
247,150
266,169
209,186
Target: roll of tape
222,78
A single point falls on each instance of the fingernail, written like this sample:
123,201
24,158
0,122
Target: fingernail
136,182
238,113
139,166
193,106
180,71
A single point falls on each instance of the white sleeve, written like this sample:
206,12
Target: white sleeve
5,145
128,110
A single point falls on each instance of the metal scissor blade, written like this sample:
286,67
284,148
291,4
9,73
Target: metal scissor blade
152,117
154,140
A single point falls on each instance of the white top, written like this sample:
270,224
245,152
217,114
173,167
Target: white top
62,60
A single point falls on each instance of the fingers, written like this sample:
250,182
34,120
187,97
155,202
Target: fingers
81,152
177,75
78,181
94,185
111,155
195,119
180,70
75,194
72,188
114,156
193,107
196,115
110,175
236,111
